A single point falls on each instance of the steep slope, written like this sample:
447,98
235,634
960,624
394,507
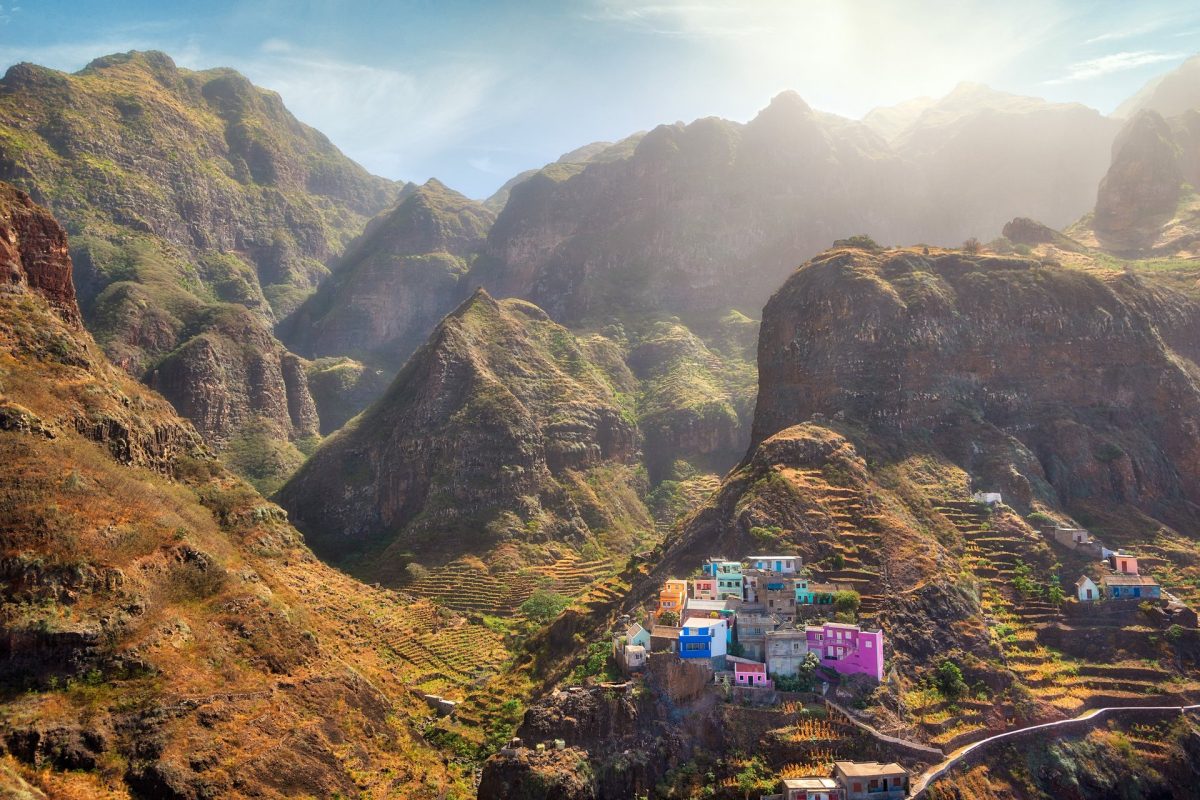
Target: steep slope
187,192
1065,365
394,283
504,427
164,631
1169,95
1146,205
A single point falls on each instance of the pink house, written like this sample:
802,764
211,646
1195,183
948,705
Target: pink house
847,649
749,673
704,589
1124,563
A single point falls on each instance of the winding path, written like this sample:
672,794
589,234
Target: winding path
933,773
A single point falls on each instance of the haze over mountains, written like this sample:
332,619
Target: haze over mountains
802,333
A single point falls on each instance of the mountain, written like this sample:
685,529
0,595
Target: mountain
504,428
580,155
1170,94
164,632
394,283
890,121
201,211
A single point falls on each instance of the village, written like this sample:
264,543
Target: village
763,626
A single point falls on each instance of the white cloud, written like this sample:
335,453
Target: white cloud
1114,62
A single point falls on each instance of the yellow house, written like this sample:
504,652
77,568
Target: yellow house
673,596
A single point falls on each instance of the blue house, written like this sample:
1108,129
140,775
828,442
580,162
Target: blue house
703,638
1129,587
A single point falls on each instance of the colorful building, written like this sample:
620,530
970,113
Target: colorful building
809,593
847,649
637,635
870,780
703,638
750,673
1124,562
1086,589
786,651
673,596
728,575
704,588
1129,587
785,565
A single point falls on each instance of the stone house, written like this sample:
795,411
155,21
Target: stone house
752,629
778,593
786,649
990,498
870,780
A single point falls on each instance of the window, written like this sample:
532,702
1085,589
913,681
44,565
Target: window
695,646
870,643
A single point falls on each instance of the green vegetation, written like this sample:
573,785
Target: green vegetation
949,681
543,606
597,662
668,618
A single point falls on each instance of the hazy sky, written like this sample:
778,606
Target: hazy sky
475,92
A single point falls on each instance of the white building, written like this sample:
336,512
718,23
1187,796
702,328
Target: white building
1086,589
991,498
786,565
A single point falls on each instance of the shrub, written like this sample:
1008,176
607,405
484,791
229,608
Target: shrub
862,241
847,601
1038,519
1174,633
837,561
668,618
949,680
1108,451
544,606
972,246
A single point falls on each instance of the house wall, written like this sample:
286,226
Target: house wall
848,651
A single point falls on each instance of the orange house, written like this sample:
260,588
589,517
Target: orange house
672,596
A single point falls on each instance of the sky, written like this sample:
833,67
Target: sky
474,92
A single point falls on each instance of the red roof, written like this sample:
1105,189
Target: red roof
739,667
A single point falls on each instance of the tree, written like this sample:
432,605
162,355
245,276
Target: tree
737,649
950,681
847,601
861,241
544,606
1054,592
752,776
972,246
668,618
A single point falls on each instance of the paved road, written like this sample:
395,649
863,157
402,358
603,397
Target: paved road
933,773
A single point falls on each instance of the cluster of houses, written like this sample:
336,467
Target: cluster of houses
1118,579
750,608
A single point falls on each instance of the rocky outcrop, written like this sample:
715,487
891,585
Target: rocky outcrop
1143,184
33,253
233,373
1070,369
1026,231
395,282
472,444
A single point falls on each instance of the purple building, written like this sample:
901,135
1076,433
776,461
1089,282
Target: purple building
847,649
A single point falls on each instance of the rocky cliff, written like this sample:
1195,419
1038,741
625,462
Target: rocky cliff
1068,365
163,631
186,192
488,434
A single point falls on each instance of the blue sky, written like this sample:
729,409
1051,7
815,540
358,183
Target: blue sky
474,92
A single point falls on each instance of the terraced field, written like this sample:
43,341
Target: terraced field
1066,685
468,585
857,539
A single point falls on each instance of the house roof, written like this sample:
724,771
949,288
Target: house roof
664,632
707,605
749,666
634,648
810,783
699,622
1082,579
868,769
633,630
772,558
1128,580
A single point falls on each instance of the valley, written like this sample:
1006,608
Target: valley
725,459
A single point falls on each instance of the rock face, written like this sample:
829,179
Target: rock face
474,443
1073,369
236,374
395,282
33,253
189,192
714,214
1169,95
1144,183
133,563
